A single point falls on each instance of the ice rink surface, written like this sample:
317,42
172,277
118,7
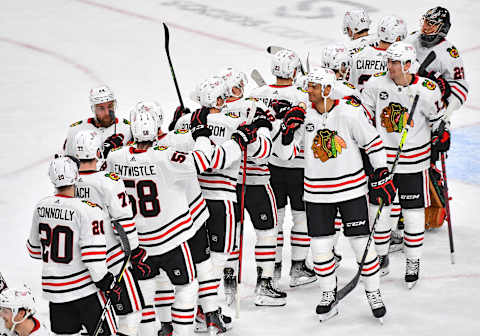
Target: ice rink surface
53,51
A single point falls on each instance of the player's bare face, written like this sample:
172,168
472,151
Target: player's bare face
6,315
314,93
394,69
429,27
102,113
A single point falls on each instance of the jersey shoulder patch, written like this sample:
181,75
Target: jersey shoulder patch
91,204
453,52
429,84
380,74
115,149
126,122
181,131
232,115
160,148
76,123
348,84
352,101
112,176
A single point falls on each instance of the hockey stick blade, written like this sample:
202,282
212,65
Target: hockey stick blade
167,51
257,77
353,283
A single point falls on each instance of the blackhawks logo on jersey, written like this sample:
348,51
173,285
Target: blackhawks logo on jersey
352,101
394,118
350,85
453,52
93,205
126,122
160,148
429,84
379,74
76,123
232,115
181,131
113,176
327,144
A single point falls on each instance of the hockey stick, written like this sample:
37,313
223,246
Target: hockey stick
126,248
257,77
426,62
353,283
167,50
447,207
3,283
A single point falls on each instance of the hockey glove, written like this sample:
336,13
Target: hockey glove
381,187
179,112
112,142
291,122
443,85
280,107
245,135
440,142
263,119
110,287
140,265
198,123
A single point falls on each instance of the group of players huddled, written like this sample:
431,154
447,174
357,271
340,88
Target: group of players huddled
322,140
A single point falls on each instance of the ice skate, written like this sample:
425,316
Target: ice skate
217,320
300,274
327,308
277,274
376,303
166,329
396,241
411,272
268,295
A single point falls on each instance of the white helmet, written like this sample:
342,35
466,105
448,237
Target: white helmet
390,28
284,64
357,20
401,51
16,299
63,171
334,56
323,77
145,120
85,145
101,94
233,79
208,91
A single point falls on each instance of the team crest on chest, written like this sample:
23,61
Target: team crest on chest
353,102
232,115
394,117
429,84
160,148
112,176
327,145
453,52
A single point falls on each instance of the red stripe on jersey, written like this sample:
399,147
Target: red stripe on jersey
220,182
325,269
409,156
427,187
187,253
169,231
182,316
257,168
115,255
230,225
127,275
265,253
93,253
198,206
65,283
370,268
459,91
335,185
32,252
204,167
165,298
413,240
218,159
208,288
265,149
148,313
128,225
374,145
300,239
272,197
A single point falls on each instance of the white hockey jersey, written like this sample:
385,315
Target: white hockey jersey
391,105
153,178
366,62
333,164
353,46
107,190
39,329
121,126
67,236
291,93
449,64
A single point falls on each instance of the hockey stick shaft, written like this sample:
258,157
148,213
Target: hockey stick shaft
242,215
353,283
257,77
167,51
447,207
3,283
126,248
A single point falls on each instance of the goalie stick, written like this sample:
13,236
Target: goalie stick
353,283
167,51
126,248
257,77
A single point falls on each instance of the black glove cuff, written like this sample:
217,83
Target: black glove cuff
263,122
201,130
106,283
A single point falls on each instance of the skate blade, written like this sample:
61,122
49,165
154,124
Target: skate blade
410,285
302,282
270,302
327,316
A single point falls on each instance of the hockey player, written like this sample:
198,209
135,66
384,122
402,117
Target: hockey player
335,180
165,223
114,132
108,191
371,59
447,69
18,309
356,25
286,176
67,236
389,97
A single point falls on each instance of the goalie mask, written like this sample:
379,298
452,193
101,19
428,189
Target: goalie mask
439,18
145,120
63,171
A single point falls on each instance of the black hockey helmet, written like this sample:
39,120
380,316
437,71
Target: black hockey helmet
436,16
